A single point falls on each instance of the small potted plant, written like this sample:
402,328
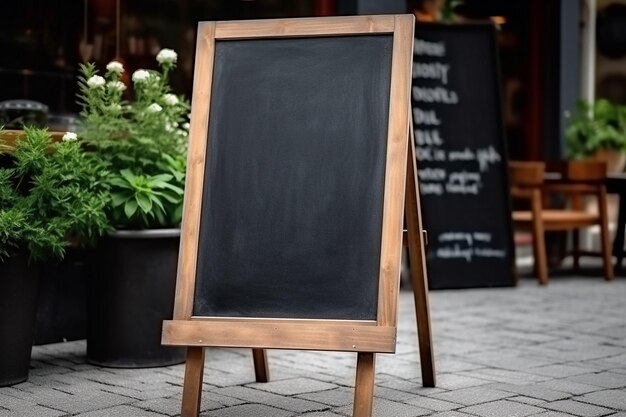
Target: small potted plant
52,195
598,130
143,142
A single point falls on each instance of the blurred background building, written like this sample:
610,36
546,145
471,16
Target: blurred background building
552,52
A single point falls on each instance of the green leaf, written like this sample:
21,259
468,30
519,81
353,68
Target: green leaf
130,208
144,202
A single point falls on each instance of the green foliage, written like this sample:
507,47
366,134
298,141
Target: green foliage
448,10
142,141
597,125
51,194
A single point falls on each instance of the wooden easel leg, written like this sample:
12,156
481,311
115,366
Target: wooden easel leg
364,385
419,278
192,388
261,368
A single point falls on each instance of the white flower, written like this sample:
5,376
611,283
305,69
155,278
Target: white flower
140,75
95,81
170,99
70,137
169,127
116,85
185,126
115,66
154,108
166,55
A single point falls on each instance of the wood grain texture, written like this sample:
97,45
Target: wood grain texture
327,26
192,386
364,385
261,366
395,176
185,281
419,275
280,335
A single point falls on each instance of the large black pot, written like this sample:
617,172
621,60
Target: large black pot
18,307
62,307
131,292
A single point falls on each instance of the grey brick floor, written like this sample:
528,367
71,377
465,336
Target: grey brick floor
527,351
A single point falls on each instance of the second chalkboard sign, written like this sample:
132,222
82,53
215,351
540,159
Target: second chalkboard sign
461,156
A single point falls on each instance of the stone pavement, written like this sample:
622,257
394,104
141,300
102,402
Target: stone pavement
548,351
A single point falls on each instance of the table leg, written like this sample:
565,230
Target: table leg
618,242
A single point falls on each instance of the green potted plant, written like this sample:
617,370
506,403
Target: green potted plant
52,195
143,142
598,130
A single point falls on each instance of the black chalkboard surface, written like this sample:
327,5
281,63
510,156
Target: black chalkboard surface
461,156
293,195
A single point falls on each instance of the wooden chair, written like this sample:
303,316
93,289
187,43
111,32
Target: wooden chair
573,180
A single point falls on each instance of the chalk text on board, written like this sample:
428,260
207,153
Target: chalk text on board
428,137
435,95
425,117
431,70
467,245
422,47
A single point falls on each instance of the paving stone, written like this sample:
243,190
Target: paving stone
386,408
502,408
565,385
11,402
167,406
609,398
578,409
120,411
533,391
474,395
526,400
602,379
262,397
433,404
454,381
335,397
558,371
293,386
505,376
414,387
79,403
247,410
554,348
32,411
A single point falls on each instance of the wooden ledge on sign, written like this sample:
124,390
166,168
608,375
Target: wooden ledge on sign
280,335
8,138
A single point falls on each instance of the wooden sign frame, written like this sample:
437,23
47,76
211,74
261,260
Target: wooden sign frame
366,337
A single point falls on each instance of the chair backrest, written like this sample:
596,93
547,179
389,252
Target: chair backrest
526,173
583,171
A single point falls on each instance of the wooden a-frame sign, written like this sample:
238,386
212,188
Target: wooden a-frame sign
277,104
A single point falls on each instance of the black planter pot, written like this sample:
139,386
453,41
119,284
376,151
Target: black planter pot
18,307
62,307
131,292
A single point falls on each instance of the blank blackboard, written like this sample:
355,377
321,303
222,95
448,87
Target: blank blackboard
461,156
294,196
293,191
